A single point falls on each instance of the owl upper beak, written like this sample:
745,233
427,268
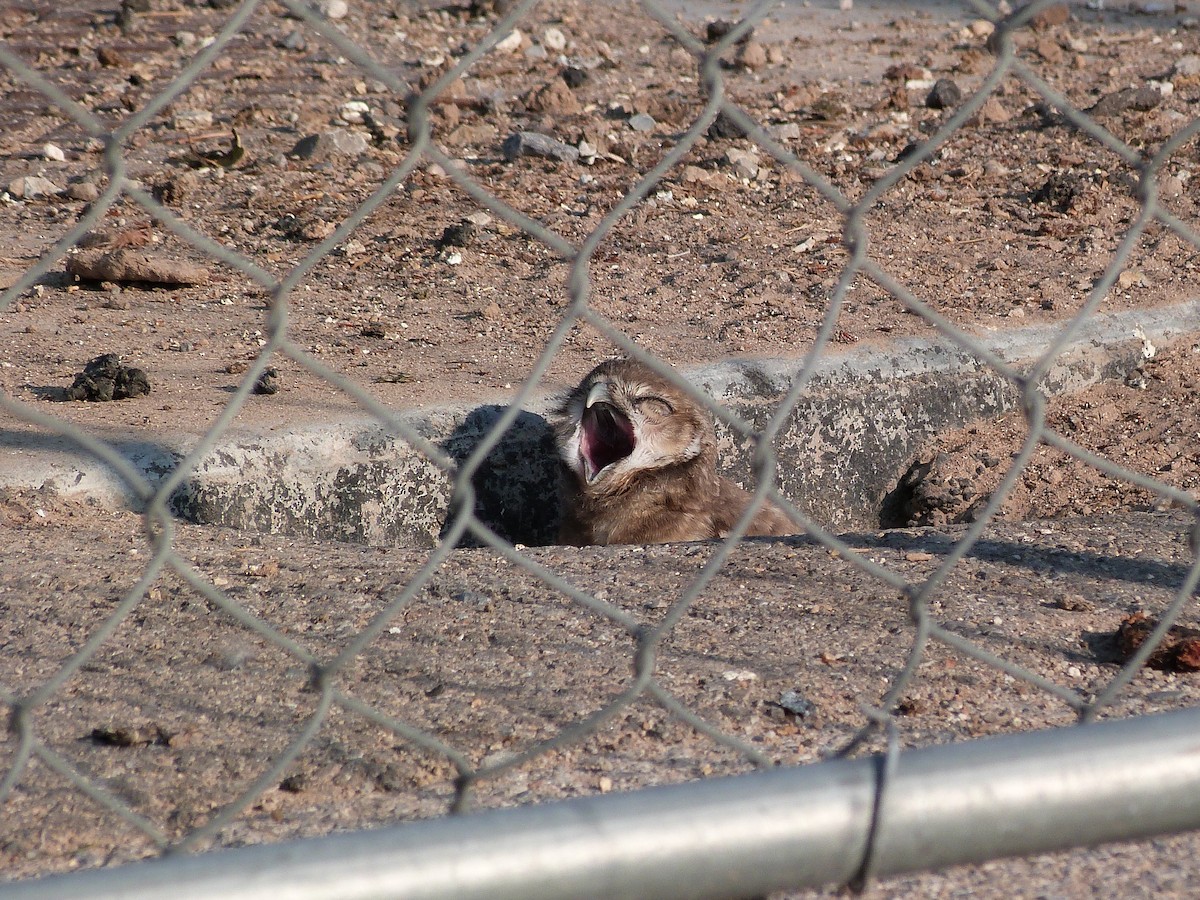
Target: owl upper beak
598,394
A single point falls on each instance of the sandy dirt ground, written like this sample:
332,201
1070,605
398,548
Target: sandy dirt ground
430,302
1011,223
777,653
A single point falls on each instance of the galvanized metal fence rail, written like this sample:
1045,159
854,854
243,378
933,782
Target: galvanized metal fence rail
879,790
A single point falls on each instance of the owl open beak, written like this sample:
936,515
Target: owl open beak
607,437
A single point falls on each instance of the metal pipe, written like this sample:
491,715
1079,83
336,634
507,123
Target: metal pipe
728,837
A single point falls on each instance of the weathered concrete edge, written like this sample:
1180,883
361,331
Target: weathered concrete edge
864,416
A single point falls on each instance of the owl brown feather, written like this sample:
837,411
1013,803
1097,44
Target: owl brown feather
640,458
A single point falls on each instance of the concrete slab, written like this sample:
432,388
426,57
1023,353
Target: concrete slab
856,428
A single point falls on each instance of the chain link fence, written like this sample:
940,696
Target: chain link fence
29,748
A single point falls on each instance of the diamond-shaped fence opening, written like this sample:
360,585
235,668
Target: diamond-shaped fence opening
174,689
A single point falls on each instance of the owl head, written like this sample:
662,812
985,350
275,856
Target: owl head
624,421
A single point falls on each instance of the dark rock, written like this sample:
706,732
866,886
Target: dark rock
1061,191
724,127
574,76
268,381
714,31
461,234
105,378
530,143
945,94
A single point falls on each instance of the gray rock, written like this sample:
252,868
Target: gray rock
724,126
743,162
30,187
1187,65
642,122
293,40
797,704
530,143
332,143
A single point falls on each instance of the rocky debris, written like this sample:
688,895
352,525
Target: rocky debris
460,234
1067,192
31,187
125,265
1187,66
83,191
1052,16
268,381
106,378
745,163
338,142
1179,650
1074,603
752,55
924,496
554,97
724,127
992,112
796,703
714,31
293,40
574,77
531,143
642,122
944,94
1140,99
192,119
511,43
306,228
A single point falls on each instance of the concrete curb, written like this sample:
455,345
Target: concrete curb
864,416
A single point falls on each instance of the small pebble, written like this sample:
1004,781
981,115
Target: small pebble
293,40
511,43
333,9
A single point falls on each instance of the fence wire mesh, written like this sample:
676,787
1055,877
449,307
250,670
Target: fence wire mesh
420,147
